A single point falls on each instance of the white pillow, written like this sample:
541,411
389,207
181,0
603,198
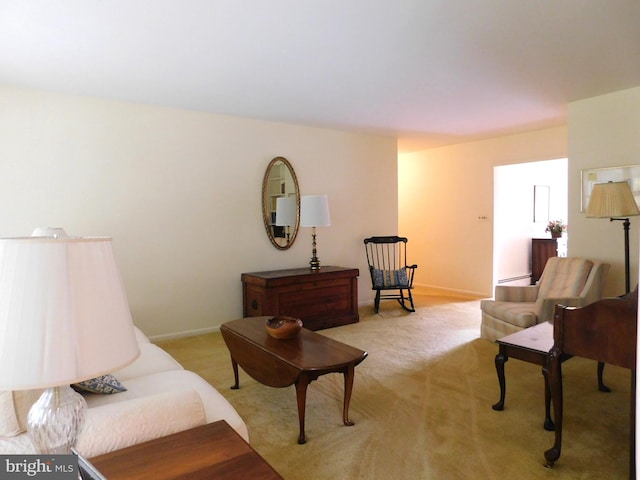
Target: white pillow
14,408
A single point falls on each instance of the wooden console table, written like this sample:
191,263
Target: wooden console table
321,299
210,451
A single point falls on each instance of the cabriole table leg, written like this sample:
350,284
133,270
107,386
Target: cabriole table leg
301,395
501,358
349,373
234,364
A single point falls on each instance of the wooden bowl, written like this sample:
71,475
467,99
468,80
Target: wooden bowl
283,327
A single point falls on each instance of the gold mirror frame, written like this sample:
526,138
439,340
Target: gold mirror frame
279,181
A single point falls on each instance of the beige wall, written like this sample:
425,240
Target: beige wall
603,132
179,191
444,191
446,206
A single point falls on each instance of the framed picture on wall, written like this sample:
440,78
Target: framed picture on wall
541,203
591,176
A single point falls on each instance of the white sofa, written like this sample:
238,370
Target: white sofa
161,398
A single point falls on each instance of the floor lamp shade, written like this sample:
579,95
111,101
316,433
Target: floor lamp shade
64,315
611,199
614,200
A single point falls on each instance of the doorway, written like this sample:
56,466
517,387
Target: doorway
526,197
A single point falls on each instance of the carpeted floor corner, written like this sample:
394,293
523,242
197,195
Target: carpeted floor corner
422,406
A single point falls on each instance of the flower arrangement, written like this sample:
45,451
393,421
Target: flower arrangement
556,226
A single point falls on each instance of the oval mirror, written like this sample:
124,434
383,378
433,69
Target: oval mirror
281,203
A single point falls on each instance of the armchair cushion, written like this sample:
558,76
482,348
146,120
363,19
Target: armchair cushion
564,278
520,314
527,293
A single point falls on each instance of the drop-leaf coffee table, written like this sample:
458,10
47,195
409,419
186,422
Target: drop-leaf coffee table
299,361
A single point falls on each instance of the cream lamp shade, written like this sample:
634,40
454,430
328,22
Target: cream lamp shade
314,211
612,199
286,211
64,318
64,314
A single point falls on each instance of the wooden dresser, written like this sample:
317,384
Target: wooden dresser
321,299
541,250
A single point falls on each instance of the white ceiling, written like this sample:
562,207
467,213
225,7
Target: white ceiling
432,72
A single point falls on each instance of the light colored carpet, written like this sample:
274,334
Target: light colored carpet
422,406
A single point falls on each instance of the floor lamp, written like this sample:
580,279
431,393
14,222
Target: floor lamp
614,200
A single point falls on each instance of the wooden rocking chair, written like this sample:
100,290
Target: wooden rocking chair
387,259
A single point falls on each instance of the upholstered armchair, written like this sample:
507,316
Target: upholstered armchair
566,281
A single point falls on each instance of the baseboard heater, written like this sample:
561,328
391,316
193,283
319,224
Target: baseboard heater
513,279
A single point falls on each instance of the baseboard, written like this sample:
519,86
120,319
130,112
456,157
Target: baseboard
184,334
449,292
417,290
432,290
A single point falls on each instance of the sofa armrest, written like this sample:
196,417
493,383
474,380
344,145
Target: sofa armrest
592,290
547,306
525,293
152,359
140,336
129,422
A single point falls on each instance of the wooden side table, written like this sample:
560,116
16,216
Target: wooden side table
321,299
210,451
529,345
533,345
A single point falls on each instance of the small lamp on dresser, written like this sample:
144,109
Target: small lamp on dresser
314,212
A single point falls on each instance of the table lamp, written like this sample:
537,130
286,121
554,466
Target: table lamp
614,200
64,318
314,212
